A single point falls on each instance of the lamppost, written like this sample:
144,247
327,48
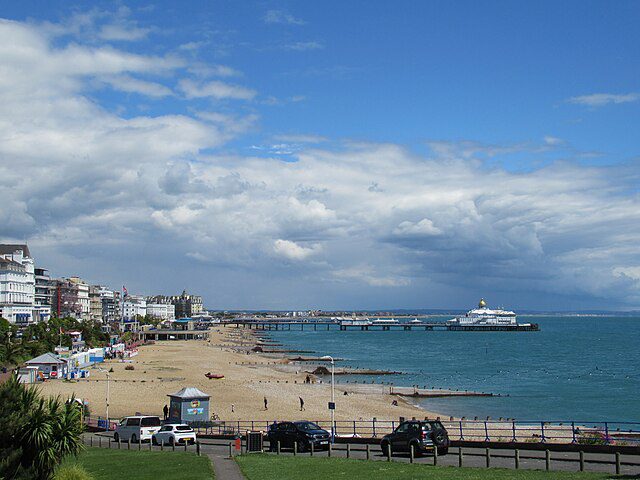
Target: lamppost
107,372
332,405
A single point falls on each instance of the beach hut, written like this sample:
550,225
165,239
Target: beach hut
50,365
189,405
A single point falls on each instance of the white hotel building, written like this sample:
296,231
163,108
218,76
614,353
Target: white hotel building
163,311
132,306
17,284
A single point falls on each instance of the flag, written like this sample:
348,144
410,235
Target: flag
124,289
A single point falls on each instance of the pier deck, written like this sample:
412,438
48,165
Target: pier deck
283,324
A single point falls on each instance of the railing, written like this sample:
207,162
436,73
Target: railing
585,433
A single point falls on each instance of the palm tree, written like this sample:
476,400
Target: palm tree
36,433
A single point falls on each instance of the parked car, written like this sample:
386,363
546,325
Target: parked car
423,435
303,434
136,429
174,434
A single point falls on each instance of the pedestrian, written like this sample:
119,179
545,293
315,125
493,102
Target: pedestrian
301,404
232,408
266,406
165,410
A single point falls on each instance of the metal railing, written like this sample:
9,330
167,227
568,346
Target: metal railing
544,432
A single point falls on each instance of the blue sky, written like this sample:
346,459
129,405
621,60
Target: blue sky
328,154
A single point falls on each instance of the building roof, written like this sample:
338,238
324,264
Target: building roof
189,392
45,358
5,261
8,248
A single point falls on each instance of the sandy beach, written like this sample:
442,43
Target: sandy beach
249,377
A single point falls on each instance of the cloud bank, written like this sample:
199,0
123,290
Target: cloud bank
156,201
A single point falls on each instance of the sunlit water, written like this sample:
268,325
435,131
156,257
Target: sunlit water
575,368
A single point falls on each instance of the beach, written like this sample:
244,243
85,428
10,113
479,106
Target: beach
165,367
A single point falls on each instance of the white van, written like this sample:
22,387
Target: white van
136,429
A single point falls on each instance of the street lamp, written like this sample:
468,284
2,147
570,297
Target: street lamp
332,405
107,372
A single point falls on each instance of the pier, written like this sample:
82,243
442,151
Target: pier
284,324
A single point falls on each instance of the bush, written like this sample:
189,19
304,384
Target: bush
129,367
72,472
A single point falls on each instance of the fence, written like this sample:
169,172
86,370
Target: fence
545,432
586,433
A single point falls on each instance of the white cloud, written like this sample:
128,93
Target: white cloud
215,89
292,251
630,272
303,46
423,227
602,99
283,17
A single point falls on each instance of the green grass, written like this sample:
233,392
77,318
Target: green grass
108,464
267,467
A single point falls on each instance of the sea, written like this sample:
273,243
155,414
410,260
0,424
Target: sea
576,368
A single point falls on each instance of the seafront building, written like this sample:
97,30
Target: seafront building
161,311
133,306
187,305
83,297
17,284
110,300
43,295
95,303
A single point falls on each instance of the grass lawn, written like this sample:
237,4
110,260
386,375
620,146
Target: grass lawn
267,467
107,464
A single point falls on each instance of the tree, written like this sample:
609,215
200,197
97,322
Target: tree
36,433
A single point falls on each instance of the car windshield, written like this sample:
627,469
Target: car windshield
183,428
307,426
150,422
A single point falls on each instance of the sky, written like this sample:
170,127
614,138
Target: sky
335,155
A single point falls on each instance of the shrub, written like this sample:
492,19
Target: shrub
72,472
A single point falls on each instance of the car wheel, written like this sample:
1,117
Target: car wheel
272,446
116,437
134,439
443,450
386,448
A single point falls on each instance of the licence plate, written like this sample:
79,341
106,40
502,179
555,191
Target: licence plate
324,442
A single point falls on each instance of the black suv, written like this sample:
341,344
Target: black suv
303,434
423,435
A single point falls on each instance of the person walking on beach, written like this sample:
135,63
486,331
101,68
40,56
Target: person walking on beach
165,410
301,404
266,406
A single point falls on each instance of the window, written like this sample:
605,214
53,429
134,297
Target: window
307,426
150,422
166,428
403,428
133,422
183,428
